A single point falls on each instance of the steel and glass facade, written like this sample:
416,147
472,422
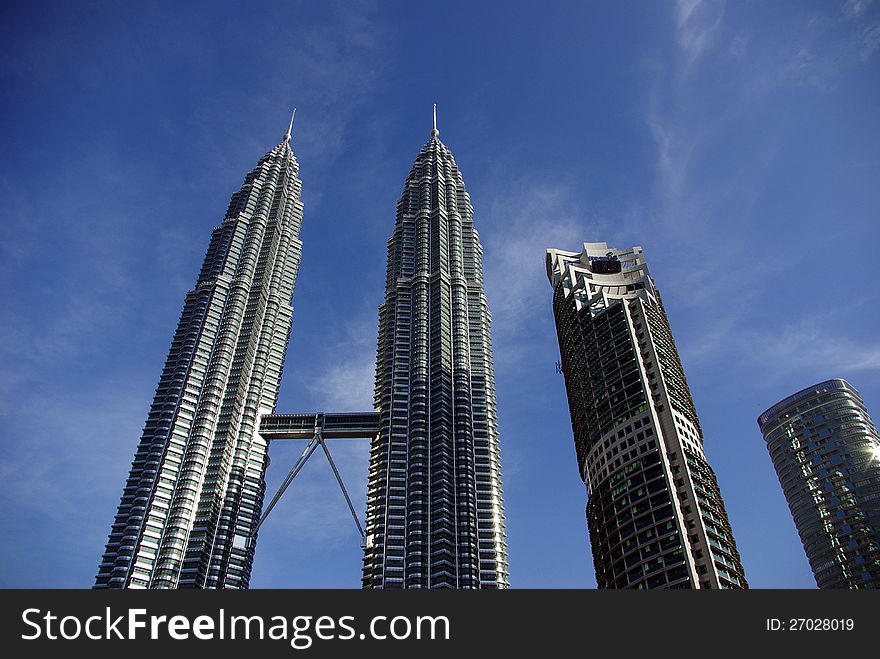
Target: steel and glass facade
190,506
654,512
434,513
826,452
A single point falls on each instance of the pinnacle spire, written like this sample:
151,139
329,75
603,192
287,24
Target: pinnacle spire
290,127
435,132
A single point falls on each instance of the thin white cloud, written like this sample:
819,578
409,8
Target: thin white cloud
347,384
697,22
693,212
827,44
808,69
675,145
63,460
855,8
342,377
869,37
739,46
519,227
324,68
808,346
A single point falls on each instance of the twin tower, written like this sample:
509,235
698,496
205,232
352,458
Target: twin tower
193,501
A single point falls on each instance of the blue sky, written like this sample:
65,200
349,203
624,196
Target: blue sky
736,142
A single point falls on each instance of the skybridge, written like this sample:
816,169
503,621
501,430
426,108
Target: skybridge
347,425
316,427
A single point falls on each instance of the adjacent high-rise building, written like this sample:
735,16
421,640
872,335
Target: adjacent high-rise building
826,452
434,512
655,514
192,501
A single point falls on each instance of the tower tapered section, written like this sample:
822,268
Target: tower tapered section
435,517
654,511
191,504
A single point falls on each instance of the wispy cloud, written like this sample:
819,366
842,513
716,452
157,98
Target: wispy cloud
739,45
700,217
84,290
675,146
341,378
808,347
696,25
521,223
828,44
855,8
326,68
64,456
347,384
806,68
869,36
523,220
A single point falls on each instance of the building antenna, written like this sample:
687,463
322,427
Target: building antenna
435,132
290,127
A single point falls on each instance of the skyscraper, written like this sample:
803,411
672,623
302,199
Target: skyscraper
654,511
434,511
192,500
826,452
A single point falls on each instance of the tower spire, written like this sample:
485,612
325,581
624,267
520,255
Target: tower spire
290,127
435,132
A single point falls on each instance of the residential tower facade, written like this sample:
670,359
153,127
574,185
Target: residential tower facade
654,512
826,452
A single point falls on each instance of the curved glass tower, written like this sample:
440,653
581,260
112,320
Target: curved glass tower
192,501
654,511
826,452
434,511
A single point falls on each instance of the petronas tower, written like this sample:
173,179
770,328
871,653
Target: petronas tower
434,512
192,501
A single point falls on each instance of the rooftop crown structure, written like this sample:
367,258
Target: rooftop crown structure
192,501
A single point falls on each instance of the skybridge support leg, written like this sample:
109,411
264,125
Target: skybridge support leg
303,458
311,447
344,491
